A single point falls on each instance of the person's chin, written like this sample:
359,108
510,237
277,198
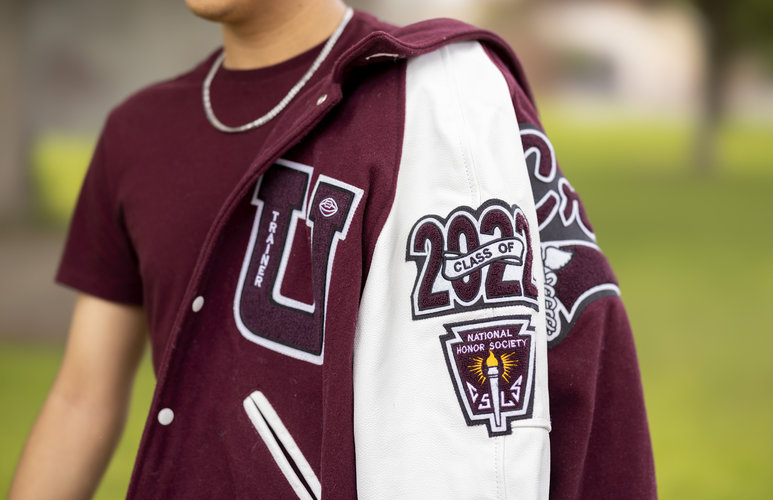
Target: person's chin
212,10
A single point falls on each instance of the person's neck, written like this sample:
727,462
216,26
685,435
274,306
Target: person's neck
288,29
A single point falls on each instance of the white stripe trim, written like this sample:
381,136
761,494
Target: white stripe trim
266,420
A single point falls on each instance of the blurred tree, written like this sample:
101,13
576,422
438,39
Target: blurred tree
733,26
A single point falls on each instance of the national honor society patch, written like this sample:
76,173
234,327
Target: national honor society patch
491,363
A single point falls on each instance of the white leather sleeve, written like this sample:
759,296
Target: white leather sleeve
427,365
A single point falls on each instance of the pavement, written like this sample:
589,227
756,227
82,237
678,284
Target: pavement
32,307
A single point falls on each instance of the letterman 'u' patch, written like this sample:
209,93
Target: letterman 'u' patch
491,364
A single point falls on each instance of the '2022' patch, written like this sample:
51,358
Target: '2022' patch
491,364
472,259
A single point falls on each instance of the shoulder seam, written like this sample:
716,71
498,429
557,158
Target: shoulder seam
464,146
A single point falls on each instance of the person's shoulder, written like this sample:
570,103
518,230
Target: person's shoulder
438,30
382,41
162,96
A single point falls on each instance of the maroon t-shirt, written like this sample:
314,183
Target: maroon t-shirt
158,176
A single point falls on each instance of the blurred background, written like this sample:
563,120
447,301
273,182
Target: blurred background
661,113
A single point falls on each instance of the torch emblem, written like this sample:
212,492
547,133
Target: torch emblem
491,364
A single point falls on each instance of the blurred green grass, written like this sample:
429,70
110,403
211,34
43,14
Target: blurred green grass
57,165
693,256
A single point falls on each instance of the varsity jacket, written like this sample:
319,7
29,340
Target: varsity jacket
400,298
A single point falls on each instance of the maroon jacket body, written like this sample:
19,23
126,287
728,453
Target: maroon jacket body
399,295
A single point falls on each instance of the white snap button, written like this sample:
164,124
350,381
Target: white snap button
165,416
321,99
198,303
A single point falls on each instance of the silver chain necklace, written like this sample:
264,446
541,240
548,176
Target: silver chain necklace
285,100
